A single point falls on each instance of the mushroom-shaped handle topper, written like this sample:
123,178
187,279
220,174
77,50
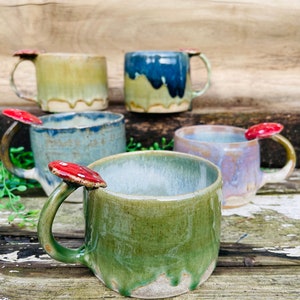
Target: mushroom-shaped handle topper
27,53
74,173
263,130
190,51
21,116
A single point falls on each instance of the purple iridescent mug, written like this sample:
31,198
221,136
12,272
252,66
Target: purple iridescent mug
236,156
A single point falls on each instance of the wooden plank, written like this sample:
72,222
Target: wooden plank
269,224
226,283
289,186
252,45
26,251
242,271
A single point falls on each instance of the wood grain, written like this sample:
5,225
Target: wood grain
252,45
228,283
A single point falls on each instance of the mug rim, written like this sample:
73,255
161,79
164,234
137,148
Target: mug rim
214,186
180,134
120,119
71,54
155,52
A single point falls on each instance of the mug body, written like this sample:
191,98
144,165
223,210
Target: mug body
227,147
154,232
71,82
157,81
80,137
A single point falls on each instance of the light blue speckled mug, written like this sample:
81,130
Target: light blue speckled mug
80,137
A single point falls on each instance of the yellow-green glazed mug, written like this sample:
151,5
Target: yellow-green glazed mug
66,81
153,232
160,81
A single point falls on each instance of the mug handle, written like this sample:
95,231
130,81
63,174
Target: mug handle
12,80
5,154
44,228
289,166
207,65
74,176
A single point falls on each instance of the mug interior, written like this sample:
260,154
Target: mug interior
79,120
156,173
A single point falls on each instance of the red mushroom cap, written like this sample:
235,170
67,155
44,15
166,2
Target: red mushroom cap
190,51
75,173
27,53
21,116
263,130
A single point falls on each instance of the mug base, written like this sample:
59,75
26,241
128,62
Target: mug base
57,105
161,287
237,201
159,108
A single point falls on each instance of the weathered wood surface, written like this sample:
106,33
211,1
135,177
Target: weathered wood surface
253,45
259,255
149,128
56,282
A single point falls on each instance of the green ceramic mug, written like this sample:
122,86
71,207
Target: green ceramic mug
154,231
66,81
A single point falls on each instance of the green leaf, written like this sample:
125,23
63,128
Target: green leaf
11,218
16,150
21,188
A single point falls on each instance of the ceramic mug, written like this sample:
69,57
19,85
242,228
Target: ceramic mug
160,81
237,157
82,137
154,231
66,81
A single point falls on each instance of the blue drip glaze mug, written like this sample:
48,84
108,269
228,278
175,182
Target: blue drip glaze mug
160,81
81,137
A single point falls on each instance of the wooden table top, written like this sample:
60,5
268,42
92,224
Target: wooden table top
259,256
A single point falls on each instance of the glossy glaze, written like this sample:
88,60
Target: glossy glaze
81,137
66,81
160,81
164,68
77,174
154,232
237,157
21,116
263,130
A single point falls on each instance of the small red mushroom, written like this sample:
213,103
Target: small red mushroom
77,174
263,130
27,53
21,116
190,51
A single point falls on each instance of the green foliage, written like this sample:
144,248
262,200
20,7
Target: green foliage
162,145
11,186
